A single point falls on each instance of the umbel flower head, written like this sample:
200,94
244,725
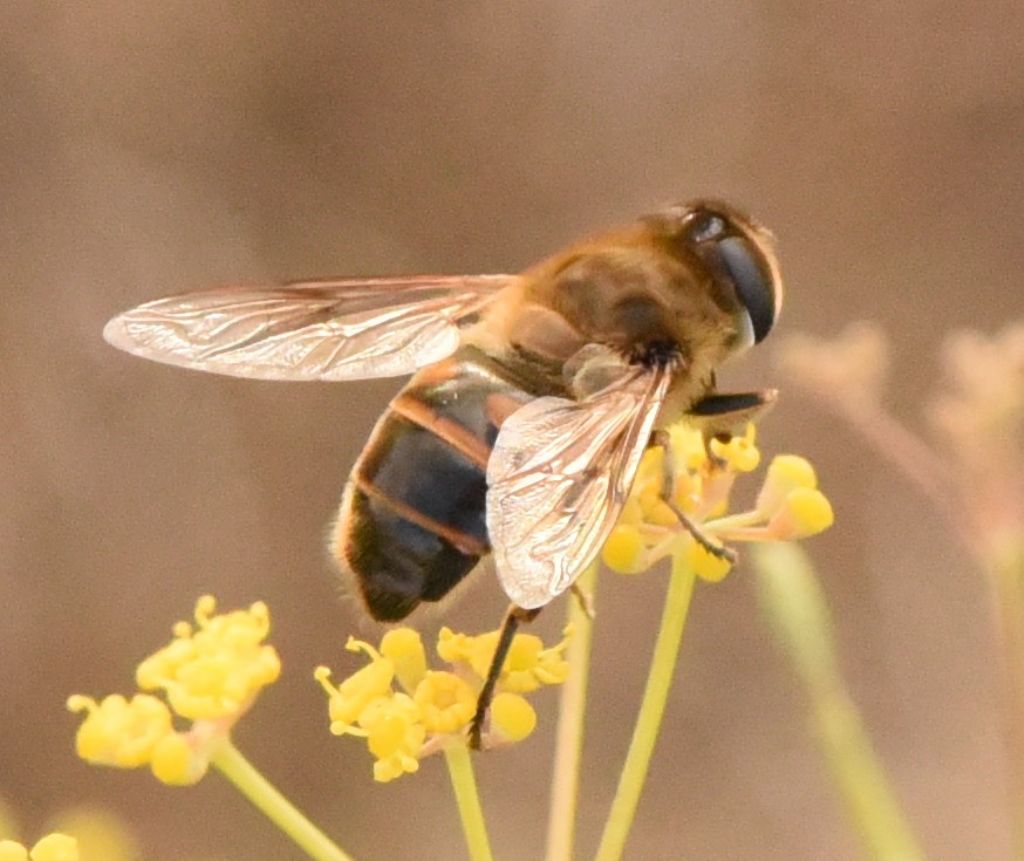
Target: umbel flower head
52,847
210,674
215,669
406,711
684,477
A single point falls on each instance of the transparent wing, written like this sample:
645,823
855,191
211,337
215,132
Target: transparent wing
313,330
558,477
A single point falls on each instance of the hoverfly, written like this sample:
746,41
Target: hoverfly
532,400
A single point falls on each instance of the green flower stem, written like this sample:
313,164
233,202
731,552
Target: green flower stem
460,770
1005,563
795,606
652,708
229,761
565,780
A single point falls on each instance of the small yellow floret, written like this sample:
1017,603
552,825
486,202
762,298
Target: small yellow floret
12,851
347,701
389,722
805,512
100,833
55,847
404,648
740,453
522,664
474,651
687,445
512,717
394,735
120,732
455,647
529,665
787,472
216,668
386,770
624,550
706,565
176,763
446,703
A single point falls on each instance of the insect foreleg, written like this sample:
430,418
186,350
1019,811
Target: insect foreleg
515,616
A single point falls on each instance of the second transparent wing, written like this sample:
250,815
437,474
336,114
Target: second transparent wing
338,329
558,477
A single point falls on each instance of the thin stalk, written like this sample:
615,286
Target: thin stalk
734,521
474,828
795,606
903,449
230,762
1006,574
652,708
572,704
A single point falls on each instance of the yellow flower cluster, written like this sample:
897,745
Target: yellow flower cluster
431,708
53,847
210,674
789,505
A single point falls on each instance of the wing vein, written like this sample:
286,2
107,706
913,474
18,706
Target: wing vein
559,475
327,330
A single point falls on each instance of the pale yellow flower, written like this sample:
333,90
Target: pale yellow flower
434,708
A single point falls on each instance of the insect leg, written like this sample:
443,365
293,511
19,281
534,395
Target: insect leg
668,496
513,618
719,413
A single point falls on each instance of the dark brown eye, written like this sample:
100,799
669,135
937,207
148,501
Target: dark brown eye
744,265
740,267
704,226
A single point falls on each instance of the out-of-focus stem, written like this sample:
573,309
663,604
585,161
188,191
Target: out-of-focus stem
905,450
460,770
565,779
254,786
652,708
1006,571
793,602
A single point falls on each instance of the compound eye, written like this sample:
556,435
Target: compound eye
745,267
742,269
703,226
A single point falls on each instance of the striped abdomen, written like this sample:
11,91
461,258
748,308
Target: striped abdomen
412,520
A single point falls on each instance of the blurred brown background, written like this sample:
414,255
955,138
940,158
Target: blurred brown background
147,148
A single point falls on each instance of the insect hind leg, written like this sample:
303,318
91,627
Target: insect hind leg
514,617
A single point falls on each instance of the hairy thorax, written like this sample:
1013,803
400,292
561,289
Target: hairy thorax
634,300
